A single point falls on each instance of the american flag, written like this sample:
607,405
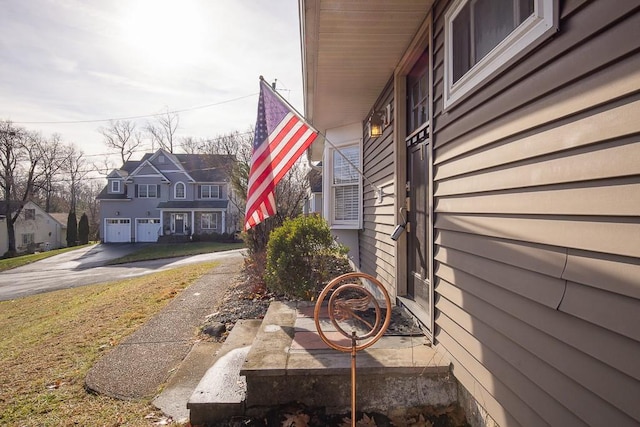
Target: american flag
281,137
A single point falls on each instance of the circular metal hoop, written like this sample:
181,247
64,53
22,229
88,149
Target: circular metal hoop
335,283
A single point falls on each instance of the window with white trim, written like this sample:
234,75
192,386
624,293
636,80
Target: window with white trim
209,191
27,239
180,190
209,221
29,214
115,186
147,191
484,36
345,186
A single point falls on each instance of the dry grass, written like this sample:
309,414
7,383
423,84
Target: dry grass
50,341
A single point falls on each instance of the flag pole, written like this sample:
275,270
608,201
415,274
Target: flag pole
376,189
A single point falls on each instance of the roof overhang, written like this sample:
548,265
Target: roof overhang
349,52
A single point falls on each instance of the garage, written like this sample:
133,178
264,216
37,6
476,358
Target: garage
147,229
117,230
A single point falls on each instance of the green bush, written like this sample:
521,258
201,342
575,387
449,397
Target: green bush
301,255
83,229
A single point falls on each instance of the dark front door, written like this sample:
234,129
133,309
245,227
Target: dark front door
417,231
418,255
179,223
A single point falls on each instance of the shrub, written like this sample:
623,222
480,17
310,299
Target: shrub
300,255
72,230
83,229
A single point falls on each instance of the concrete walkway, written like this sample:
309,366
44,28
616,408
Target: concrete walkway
139,366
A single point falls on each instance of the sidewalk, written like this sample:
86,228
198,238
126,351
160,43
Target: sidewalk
138,366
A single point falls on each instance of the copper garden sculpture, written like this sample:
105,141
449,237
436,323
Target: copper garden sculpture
348,301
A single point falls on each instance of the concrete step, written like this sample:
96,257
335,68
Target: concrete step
221,392
288,362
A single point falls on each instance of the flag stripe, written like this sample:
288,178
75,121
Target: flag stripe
263,158
274,168
281,138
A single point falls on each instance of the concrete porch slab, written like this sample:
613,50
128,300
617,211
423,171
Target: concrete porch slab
289,362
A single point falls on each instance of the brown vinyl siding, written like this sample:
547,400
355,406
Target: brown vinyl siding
537,225
376,248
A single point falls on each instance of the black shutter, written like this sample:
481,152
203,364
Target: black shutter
199,191
158,194
136,190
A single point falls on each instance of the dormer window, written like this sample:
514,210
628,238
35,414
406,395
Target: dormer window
115,186
160,159
180,190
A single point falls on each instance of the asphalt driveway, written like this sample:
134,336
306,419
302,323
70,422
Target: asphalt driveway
86,266
83,258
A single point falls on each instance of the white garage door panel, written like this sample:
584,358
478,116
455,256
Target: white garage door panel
147,230
117,230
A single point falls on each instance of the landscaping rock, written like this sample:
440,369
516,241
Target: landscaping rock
215,329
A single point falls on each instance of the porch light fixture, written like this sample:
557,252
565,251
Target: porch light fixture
378,121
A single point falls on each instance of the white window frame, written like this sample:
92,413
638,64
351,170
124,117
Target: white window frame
209,187
212,218
533,31
28,238
342,223
184,190
146,195
115,186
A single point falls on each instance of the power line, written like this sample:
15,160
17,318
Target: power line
199,107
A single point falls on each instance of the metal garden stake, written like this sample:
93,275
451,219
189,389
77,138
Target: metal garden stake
345,300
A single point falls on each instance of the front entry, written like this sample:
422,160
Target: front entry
417,231
178,223
417,143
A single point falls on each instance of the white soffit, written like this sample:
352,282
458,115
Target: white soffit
350,50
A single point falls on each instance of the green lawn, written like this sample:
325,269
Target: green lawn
19,261
171,250
51,340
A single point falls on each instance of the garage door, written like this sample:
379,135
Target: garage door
147,230
117,230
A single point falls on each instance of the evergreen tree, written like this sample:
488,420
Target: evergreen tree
83,229
72,229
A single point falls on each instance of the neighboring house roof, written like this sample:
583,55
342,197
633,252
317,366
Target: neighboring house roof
205,167
201,167
105,195
60,217
196,204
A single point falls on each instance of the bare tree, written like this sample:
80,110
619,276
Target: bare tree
53,157
163,132
290,191
88,203
20,152
191,145
75,169
121,135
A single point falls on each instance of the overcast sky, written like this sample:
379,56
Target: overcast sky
91,60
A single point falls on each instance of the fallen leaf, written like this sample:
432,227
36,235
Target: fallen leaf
299,419
366,421
421,422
